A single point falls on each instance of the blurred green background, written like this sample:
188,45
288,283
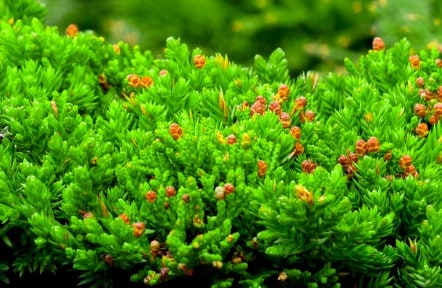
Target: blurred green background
314,34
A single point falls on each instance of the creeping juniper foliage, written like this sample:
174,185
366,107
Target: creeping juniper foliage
187,167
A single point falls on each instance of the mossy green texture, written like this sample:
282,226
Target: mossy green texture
188,166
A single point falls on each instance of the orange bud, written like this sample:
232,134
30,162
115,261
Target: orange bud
229,188
199,61
176,131
262,168
405,161
420,82
134,80
410,170
275,107
146,81
378,44
388,156
257,108
261,100
155,247
72,30
138,229
373,145
301,102
433,119
422,129
185,198
125,218
295,131
299,149
170,191
283,92
419,110
353,157
151,196
414,61
438,109
285,119
282,276
116,48
231,139
344,160
439,93
308,166
309,116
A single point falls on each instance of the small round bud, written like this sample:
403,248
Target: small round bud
146,81
185,198
138,229
275,107
283,92
72,30
257,108
151,196
433,119
133,80
231,139
125,218
285,119
220,193
414,61
176,131
283,276
301,102
155,247
308,166
361,147
419,110
405,161
378,44
229,188
373,145
422,129
309,116
164,272
295,131
344,160
388,156
420,82
108,259
261,100
217,264
438,109
170,191
199,61
298,150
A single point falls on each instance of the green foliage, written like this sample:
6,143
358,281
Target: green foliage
24,10
115,162
315,35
